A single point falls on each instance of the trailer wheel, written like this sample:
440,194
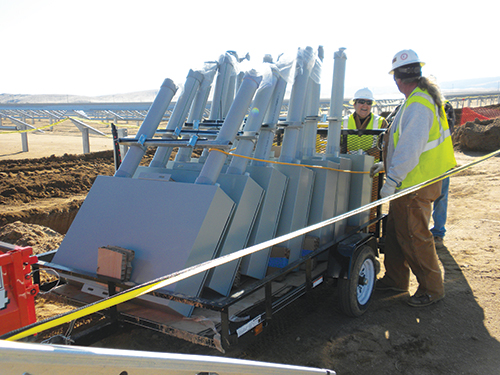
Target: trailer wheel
355,293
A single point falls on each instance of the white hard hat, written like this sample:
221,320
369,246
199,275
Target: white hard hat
364,93
405,57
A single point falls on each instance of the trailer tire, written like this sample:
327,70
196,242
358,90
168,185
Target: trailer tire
355,293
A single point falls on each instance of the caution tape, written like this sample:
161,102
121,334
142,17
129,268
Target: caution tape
164,281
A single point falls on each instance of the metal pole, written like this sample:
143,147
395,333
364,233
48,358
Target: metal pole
198,107
336,104
254,121
215,160
85,140
147,130
312,107
295,116
179,114
266,137
24,138
221,86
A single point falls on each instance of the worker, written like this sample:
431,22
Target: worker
440,208
418,148
361,119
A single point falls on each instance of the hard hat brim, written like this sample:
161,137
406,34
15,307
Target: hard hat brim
392,70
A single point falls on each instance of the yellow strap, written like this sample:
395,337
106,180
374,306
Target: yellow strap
282,163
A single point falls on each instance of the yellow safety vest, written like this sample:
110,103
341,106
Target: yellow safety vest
363,142
438,156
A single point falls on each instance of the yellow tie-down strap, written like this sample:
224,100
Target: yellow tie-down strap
283,163
164,281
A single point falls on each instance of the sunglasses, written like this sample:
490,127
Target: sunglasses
362,101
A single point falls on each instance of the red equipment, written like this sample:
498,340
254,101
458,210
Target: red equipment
17,291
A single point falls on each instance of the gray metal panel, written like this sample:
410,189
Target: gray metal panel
274,183
343,183
247,194
295,206
169,225
323,198
361,188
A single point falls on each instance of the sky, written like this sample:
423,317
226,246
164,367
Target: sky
106,47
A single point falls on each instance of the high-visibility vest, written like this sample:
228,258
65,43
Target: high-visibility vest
364,142
438,156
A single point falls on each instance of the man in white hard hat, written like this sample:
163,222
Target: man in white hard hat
418,148
363,118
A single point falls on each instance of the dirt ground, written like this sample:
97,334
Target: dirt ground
458,335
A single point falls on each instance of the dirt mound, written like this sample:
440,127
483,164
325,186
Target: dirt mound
41,239
49,191
479,135
23,181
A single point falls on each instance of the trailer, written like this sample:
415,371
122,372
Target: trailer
253,225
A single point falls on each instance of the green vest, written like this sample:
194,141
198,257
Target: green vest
364,142
437,157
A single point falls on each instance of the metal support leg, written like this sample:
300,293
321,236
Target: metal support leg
113,310
224,332
268,301
309,275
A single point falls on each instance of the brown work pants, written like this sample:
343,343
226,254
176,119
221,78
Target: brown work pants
409,243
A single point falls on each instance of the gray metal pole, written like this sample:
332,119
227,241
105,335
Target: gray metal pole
312,107
179,115
336,104
198,107
266,137
221,86
254,121
147,130
295,116
215,160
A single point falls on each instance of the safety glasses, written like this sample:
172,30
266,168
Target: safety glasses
363,101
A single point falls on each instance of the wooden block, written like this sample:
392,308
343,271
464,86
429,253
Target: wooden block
115,262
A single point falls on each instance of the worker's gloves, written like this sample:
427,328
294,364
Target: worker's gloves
388,188
376,168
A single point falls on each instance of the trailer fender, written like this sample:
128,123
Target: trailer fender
341,257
